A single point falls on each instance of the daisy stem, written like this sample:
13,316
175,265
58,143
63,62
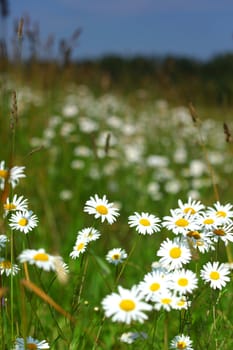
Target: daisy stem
82,279
126,261
165,335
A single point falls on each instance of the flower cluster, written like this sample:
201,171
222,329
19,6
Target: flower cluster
170,284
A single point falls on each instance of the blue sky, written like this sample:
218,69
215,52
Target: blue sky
194,28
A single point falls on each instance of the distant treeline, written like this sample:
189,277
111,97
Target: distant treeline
178,79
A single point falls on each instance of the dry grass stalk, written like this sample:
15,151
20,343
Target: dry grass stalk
227,133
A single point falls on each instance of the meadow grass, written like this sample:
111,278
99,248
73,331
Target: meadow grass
144,157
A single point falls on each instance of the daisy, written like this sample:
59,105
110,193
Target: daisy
208,222
23,221
216,274
181,342
200,241
39,258
125,306
101,208
154,283
79,247
164,301
11,175
224,212
7,268
191,207
174,254
116,256
179,223
223,233
89,233
3,240
16,204
61,269
31,343
181,303
130,337
183,281
145,223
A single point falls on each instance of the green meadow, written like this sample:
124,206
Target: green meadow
78,135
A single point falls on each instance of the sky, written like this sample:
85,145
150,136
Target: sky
194,28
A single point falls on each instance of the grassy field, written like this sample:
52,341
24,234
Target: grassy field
146,155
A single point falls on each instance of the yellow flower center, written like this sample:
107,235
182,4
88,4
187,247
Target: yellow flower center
9,206
181,344
194,234
166,301
181,303
183,282
127,305
41,257
221,213
80,246
5,264
3,173
219,232
208,221
101,209
182,222
144,222
189,210
175,252
154,287
214,275
31,346
200,243
23,222
116,256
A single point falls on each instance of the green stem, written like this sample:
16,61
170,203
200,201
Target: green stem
165,337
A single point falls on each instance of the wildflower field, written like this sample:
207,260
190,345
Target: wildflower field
116,221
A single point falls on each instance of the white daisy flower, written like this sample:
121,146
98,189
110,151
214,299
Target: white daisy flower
224,212
31,343
125,306
181,342
79,247
11,175
89,234
174,254
130,337
101,208
200,241
116,256
223,233
3,240
16,204
208,222
39,258
179,223
216,274
7,268
154,282
183,281
181,303
164,301
190,207
145,223
61,269
23,221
